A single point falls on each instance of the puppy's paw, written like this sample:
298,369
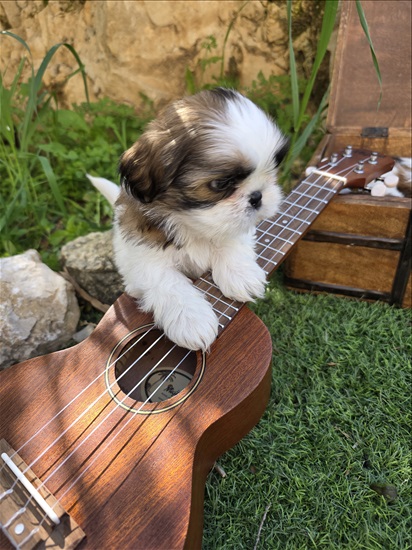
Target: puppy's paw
194,327
242,284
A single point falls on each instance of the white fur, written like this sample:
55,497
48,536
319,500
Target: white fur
106,187
219,238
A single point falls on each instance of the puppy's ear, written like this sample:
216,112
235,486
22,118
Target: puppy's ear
137,168
281,153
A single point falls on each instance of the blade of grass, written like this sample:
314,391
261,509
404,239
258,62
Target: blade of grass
300,142
328,24
365,28
19,39
35,86
52,181
229,29
293,70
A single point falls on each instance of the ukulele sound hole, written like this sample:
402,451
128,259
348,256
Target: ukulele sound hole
152,369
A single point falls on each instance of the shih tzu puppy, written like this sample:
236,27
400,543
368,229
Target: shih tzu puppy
193,189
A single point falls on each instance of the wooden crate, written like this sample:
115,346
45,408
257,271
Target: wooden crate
360,245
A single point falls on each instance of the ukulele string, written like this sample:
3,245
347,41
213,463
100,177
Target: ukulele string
293,217
101,374
234,305
346,170
40,430
96,457
22,509
10,490
174,346
91,404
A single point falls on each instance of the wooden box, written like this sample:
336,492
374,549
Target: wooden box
360,245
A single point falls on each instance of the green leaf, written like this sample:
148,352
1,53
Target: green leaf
328,24
71,119
301,141
52,181
293,69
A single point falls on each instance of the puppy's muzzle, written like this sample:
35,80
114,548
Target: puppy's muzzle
255,199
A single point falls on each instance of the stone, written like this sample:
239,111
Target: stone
89,260
84,333
38,309
146,47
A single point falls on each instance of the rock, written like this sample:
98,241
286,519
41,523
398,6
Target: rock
89,260
132,48
84,333
38,309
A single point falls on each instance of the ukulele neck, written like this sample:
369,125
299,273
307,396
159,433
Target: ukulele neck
276,237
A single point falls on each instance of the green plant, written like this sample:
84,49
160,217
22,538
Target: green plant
45,154
303,128
194,82
23,106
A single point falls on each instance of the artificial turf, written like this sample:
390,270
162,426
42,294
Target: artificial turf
329,464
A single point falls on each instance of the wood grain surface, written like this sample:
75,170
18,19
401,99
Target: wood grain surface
143,476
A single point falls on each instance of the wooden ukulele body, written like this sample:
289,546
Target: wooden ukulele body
144,475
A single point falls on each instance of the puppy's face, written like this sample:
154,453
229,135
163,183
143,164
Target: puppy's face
207,164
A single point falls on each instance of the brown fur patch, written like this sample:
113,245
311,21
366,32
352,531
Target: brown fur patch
175,151
135,225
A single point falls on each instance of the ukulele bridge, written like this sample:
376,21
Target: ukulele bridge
29,514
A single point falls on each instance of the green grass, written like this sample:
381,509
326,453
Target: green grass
330,461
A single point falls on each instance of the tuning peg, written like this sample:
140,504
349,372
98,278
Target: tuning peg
391,180
373,158
379,189
334,158
360,167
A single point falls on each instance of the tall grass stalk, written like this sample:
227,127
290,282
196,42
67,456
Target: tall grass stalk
300,104
302,132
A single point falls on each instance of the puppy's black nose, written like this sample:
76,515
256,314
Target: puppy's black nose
255,199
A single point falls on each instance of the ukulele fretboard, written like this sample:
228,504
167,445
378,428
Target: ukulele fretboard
275,237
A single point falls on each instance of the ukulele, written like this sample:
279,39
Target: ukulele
108,444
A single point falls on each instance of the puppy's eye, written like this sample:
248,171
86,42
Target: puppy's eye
223,184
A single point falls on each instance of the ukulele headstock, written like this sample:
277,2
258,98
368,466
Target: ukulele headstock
357,166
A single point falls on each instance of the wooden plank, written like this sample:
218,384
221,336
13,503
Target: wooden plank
407,299
364,215
355,87
337,264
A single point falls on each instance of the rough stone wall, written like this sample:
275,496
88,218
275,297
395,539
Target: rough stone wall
133,47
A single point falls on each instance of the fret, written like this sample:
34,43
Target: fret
212,295
266,234
269,244
302,194
224,308
277,236
285,215
301,207
270,260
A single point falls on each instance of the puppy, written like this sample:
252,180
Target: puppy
193,189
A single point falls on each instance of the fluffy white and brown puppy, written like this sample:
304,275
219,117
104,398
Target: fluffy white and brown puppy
194,187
